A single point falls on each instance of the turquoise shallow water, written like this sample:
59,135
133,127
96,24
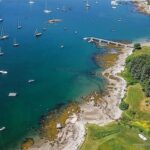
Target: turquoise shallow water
62,74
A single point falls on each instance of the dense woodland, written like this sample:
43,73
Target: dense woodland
139,67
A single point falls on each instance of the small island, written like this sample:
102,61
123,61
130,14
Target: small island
142,6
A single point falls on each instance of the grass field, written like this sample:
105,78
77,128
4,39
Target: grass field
136,113
144,50
113,137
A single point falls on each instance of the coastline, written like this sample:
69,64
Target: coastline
103,111
142,6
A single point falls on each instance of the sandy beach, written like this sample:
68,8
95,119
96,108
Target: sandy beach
103,112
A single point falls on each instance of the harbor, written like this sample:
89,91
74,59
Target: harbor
47,59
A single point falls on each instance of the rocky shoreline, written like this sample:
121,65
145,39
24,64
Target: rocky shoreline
96,109
142,6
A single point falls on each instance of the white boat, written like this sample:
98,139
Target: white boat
3,72
1,53
37,34
114,7
12,94
3,36
114,3
1,20
87,4
31,81
46,10
143,137
96,2
61,46
15,44
19,26
31,2
2,128
85,38
76,32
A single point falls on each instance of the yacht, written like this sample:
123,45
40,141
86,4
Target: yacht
3,72
1,53
31,2
15,44
37,34
46,10
2,128
3,36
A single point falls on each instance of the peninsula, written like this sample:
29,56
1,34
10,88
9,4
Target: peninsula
74,122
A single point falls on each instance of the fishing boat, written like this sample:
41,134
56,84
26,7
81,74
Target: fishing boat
1,53
19,26
37,33
3,36
15,44
46,10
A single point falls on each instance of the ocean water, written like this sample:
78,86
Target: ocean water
62,74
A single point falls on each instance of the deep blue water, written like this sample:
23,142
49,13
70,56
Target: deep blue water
61,74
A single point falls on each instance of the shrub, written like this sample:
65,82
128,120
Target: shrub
137,46
123,105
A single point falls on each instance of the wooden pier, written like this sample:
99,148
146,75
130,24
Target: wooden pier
105,42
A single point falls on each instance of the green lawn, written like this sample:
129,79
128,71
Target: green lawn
144,50
112,137
134,96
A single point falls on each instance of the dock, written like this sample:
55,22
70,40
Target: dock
105,42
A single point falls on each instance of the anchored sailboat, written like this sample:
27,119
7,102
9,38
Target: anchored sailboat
37,33
1,53
19,26
87,4
46,10
15,44
3,36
